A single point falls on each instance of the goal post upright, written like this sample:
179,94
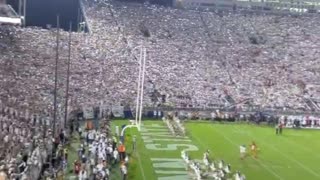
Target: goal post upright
138,88
142,86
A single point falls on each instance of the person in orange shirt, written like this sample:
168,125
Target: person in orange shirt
122,151
254,149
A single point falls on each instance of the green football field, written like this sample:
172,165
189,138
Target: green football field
295,155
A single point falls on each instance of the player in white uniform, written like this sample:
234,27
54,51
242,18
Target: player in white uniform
221,164
227,169
205,160
243,151
237,176
212,166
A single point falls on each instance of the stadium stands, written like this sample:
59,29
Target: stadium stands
207,57
25,146
194,59
213,57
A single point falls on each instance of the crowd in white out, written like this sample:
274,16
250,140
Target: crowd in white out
25,146
206,56
193,58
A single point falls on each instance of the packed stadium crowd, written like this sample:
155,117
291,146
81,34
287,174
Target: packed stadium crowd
194,58
25,144
208,56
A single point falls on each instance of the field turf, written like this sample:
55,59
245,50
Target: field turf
295,155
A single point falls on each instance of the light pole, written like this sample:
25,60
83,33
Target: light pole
24,12
68,78
56,79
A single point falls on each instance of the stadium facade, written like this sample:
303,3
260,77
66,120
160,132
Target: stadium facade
9,16
294,6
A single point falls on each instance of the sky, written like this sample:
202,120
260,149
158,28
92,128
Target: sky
43,12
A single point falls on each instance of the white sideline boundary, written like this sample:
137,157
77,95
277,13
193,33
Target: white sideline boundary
140,164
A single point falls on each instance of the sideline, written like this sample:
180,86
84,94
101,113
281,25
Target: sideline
138,155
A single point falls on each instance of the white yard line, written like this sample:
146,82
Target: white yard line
272,166
302,148
262,164
201,144
287,157
140,164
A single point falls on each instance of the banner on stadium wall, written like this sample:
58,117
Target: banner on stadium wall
104,109
189,115
88,112
117,111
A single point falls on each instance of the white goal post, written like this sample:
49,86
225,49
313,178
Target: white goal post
140,89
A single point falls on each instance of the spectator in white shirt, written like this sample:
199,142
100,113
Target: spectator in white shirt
83,175
124,171
115,156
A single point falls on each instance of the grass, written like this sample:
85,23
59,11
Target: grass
73,153
291,156
134,157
